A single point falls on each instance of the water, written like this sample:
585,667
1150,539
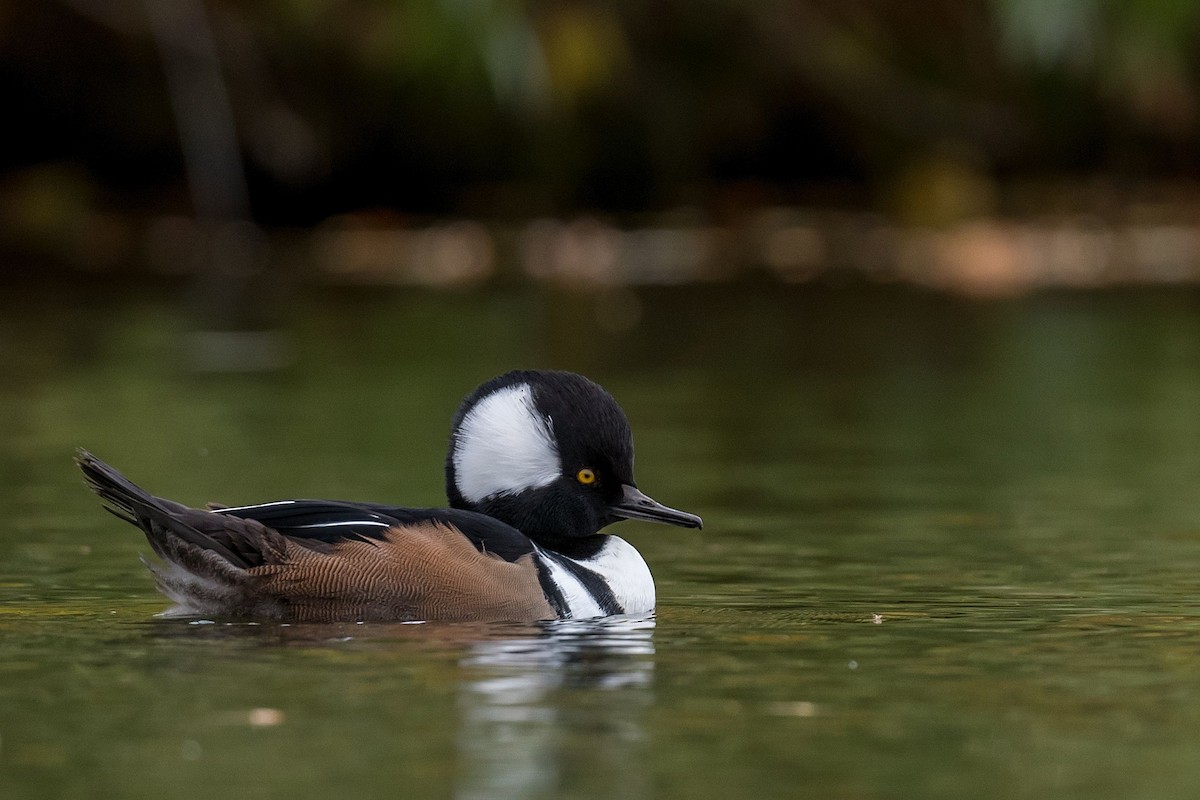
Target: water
950,550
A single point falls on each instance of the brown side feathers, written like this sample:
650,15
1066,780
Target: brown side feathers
428,571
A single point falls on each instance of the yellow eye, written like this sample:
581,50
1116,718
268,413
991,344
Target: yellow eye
585,476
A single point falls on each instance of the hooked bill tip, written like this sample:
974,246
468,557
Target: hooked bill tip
635,505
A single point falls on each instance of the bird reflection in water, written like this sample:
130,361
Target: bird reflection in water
557,713
546,709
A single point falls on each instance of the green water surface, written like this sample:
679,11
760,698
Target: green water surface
951,550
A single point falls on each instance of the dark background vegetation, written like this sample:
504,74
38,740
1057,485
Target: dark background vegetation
929,113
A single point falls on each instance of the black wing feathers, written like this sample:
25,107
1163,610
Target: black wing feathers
319,524
320,520
488,534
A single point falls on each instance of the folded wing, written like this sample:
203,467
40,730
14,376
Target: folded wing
316,560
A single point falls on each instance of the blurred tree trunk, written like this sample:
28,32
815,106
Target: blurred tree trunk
230,332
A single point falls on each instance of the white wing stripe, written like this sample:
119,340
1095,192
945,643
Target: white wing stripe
257,505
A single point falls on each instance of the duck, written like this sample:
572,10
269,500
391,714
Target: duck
539,464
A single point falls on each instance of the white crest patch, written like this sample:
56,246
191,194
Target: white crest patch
504,446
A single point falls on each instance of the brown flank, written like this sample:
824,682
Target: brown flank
425,571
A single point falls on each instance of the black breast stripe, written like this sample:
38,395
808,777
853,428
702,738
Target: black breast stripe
554,595
595,585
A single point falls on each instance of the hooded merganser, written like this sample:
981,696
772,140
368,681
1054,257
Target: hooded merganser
539,462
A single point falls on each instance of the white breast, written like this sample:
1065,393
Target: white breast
621,566
619,563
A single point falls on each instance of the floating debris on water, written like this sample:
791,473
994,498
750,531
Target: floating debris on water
190,750
265,717
799,708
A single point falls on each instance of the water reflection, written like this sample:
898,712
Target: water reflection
561,710
542,710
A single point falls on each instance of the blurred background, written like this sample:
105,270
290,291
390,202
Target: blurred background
901,297
988,147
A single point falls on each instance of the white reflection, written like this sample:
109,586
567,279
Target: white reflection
557,713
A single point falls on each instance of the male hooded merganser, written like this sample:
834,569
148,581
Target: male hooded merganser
539,462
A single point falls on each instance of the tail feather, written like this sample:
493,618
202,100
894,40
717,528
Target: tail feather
121,496
201,575
162,520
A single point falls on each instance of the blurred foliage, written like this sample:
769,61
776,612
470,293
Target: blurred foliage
515,107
